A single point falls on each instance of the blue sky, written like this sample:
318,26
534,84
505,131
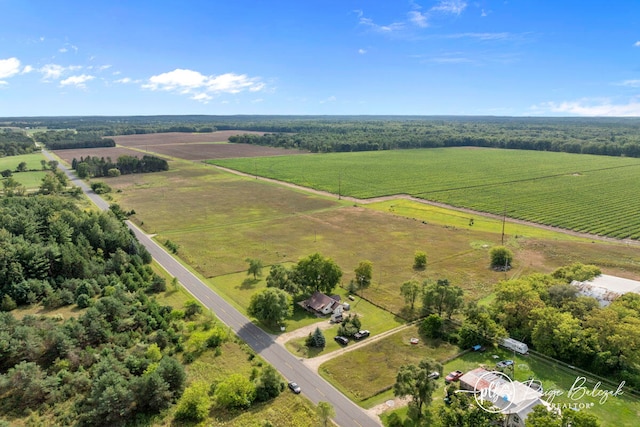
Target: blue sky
429,57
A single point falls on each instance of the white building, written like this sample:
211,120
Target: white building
606,288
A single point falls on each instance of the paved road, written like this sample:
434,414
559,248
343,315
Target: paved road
313,386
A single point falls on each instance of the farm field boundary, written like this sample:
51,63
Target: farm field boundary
595,195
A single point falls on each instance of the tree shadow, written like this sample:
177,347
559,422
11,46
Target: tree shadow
249,283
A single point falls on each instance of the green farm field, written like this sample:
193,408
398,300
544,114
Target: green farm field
592,194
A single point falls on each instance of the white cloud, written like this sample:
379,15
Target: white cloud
480,36
418,18
62,50
630,83
362,51
637,44
202,97
257,100
395,26
329,99
9,67
591,107
455,7
201,87
51,71
124,80
27,69
77,81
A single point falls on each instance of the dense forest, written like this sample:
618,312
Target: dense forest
600,136
105,365
15,143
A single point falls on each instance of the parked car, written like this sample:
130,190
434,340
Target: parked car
294,387
479,348
434,375
504,363
342,340
453,376
361,334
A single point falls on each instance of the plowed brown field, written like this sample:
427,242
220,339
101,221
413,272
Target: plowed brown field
188,146
112,152
199,146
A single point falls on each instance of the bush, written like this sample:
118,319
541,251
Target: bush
100,188
83,301
195,403
420,260
501,258
7,303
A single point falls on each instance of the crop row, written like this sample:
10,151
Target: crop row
593,194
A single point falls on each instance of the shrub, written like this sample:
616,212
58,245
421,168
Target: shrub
100,188
195,403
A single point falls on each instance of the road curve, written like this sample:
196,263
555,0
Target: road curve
313,386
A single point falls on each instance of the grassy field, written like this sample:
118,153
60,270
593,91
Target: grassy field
594,194
365,374
219,219
31,179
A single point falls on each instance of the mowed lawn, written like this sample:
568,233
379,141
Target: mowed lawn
30,179
594,194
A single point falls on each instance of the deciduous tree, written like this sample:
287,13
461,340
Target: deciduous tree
415,381
410,290
255,267
271,306
316,273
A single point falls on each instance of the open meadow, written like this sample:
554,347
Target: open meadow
219,219
592,194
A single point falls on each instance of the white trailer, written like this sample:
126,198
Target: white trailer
515,345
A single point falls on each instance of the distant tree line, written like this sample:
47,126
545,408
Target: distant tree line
99,167
15,143
600,136
69,139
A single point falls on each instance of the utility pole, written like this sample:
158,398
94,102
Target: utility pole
504,218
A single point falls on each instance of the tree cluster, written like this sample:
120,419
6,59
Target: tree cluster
71,139
91,167
314,273
547,312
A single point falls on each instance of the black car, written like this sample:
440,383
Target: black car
342,340
361,334
294,387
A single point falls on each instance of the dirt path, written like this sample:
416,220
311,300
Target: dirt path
441,205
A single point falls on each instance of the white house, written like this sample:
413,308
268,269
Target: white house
322,304
513,399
